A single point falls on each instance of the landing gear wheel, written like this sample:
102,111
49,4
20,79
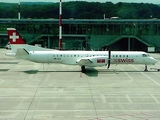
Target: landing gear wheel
146,69
83,69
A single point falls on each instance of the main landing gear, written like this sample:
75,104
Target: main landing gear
83,69
146,69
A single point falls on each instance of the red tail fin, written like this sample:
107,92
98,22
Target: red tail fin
14,37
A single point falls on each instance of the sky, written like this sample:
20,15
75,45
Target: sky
113,1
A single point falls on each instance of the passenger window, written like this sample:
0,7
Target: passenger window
126,55
119,55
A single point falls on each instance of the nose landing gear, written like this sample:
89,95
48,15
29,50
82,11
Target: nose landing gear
145,69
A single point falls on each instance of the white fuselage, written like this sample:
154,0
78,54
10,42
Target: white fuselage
97,58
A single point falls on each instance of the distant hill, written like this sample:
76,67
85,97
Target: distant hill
81,10
36,3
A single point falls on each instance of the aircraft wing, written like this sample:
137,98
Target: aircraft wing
84,61
93,61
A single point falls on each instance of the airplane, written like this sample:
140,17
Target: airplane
84,59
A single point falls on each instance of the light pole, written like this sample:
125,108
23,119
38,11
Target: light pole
19,13
60,25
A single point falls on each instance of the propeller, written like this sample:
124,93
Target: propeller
109,58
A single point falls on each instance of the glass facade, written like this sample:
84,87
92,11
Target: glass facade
77,32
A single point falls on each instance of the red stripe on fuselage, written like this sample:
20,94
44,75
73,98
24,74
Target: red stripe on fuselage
100,60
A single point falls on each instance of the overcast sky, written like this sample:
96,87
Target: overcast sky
114,1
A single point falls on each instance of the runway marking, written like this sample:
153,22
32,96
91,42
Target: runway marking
155,99
129,99
103,98
148,77
92,97
151,79
31,103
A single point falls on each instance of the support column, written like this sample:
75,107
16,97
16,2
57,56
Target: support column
129,44
49,42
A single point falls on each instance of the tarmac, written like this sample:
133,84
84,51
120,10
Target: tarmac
36,91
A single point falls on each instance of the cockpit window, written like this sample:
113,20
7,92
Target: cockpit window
145,55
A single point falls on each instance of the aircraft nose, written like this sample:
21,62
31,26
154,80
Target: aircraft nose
154,60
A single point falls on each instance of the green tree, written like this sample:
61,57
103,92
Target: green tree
81,10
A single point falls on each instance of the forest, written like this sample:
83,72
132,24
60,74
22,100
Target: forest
81,10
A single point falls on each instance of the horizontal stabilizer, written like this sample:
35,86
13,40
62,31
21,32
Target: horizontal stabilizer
22,53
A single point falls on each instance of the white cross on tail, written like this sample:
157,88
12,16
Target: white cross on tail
14,37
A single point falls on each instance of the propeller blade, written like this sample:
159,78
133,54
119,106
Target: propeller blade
109,58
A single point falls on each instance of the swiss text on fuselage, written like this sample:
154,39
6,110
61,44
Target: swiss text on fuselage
124,60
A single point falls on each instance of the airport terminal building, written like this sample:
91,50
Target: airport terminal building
88,34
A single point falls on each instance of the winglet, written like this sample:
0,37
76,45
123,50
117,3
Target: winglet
14,37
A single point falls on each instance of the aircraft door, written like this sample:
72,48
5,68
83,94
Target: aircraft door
49,58
144,58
